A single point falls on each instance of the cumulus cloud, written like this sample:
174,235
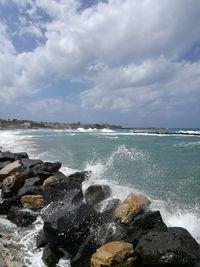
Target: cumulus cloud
133,52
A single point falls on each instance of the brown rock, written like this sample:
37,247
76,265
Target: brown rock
9,169
114,254
132,206
49,182
32,201
15,181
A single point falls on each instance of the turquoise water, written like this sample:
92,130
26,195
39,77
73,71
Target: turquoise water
164,166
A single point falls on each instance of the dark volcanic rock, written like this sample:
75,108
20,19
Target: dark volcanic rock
21,217
64,197
30,163
4,163
70,226
51,256
175,247
109,210
142,224
30,190
97,193
45,169
41,239
34,181
7,156
61,184
7,204
21,155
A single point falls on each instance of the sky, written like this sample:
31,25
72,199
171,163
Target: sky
130,62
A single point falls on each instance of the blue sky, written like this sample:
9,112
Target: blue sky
130,62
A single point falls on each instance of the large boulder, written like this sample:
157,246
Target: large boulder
97,193
34,181
51,256
46,169
10,169
114,254
69,226
30,190
4,156
150,221
4,163
133,205
21,217
57,186
8,203
13,183
30,163
10,253
32,201
175,247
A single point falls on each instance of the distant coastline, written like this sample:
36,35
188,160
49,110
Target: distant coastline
13,124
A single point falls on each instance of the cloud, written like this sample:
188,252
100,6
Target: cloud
132,52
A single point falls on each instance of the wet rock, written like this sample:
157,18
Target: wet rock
63,196
69,227
108,212
132,206
51,256
32,201
114,254
50,182
97,193
10,169
34,181
30,163
15,181
176,247
30,190
21,155
142,224
7,204
7,156
46,169
41,239
21,217
4,163
9,254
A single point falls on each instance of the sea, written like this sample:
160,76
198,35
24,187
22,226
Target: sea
164,164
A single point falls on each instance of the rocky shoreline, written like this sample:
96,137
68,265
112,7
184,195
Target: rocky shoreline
75,226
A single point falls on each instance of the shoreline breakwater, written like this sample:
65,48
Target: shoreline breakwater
77,227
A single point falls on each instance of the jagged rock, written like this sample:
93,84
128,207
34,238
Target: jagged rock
51,256
30,163
132,206
97,193
7,156
46,169
41,239
32,201
8,203
10,169
142,224
21,155
108,212
21,217
114,254
50,182
57,186
63,196
4,163
15,181
9,254
68,227
175,247
34,181
30,190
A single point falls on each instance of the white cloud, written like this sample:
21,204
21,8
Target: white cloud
130,50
